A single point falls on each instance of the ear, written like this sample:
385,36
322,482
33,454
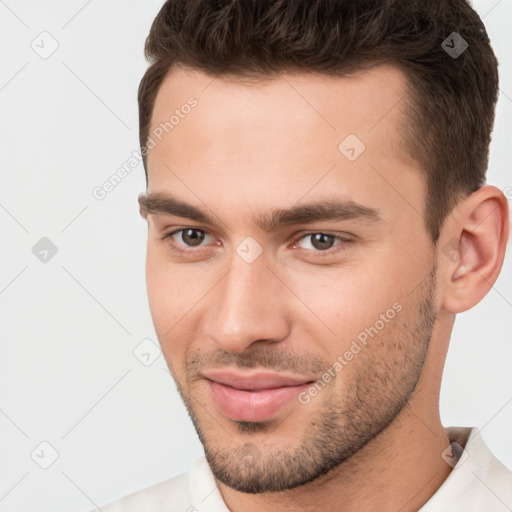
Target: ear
472,248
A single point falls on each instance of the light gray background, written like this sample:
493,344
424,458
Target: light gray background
68,327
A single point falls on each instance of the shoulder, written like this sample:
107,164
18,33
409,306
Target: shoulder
191,491
172,494
478,481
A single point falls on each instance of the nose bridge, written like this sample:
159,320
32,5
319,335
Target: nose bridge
247,306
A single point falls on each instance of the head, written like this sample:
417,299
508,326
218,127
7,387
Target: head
325,161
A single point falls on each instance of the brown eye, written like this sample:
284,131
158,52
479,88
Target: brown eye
322,245
192,237
322,241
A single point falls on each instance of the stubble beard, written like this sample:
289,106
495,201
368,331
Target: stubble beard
385,376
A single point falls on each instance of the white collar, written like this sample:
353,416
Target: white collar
478,481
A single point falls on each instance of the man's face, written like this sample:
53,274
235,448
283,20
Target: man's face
295,334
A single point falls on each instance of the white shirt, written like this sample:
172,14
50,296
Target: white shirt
478,483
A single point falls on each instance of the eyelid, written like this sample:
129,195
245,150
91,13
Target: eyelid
307,232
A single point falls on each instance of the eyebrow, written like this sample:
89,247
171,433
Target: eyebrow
322,210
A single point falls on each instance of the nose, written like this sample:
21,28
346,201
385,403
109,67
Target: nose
250,306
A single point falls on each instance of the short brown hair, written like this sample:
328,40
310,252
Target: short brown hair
450,109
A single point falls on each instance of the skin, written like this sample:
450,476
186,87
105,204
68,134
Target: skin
372,438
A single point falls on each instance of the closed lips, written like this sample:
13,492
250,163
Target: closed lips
252,396
255,381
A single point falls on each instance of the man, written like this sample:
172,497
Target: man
318,215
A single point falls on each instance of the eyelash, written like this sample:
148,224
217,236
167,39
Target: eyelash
344,243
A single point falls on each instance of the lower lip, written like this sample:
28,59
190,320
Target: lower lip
244,405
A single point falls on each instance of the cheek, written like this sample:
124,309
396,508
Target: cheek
175,293
163,296
158,284
167,291
347,299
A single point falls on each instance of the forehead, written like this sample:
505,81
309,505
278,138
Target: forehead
359,102
289,135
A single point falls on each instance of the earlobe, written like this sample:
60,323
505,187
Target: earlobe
474,254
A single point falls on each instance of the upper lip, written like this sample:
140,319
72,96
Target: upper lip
254,380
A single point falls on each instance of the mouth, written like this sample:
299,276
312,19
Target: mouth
255,396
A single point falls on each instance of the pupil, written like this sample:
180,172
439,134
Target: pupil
192,236
322,241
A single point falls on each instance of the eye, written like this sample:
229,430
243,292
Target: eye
191,237
189,241
183,239
320,244
320,241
